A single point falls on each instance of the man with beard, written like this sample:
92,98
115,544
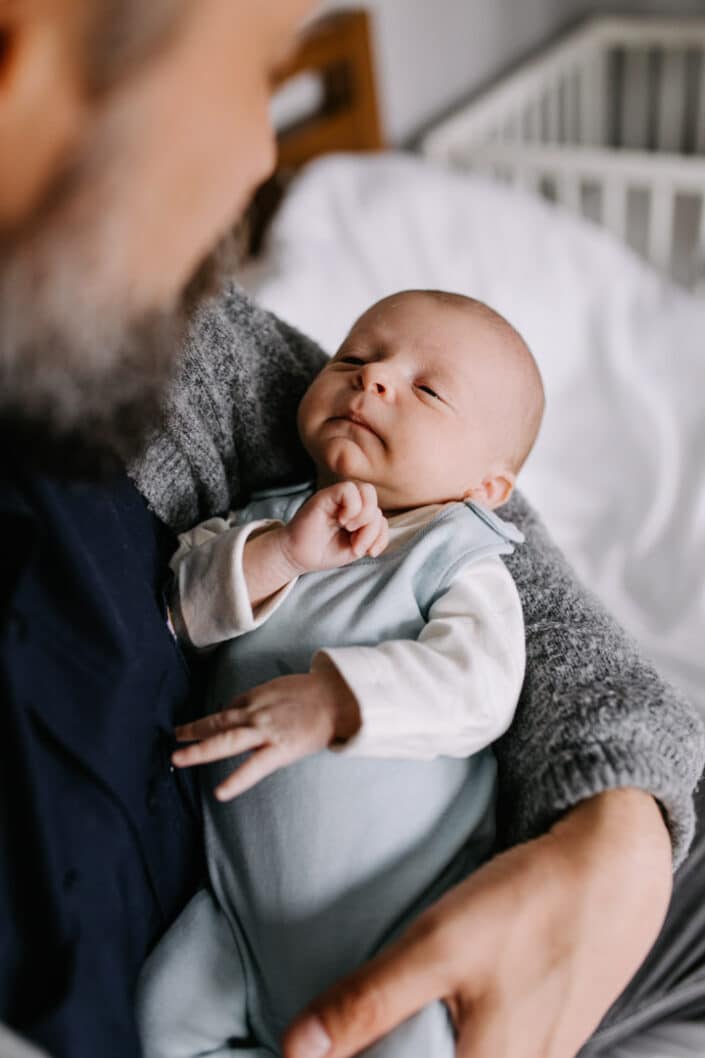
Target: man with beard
131,136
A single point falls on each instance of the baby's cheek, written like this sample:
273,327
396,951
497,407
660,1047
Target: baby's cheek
304,414
316,398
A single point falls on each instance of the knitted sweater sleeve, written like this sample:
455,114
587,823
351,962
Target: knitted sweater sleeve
229,422
593,714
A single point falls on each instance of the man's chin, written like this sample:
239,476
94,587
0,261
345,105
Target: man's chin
81,394
64,416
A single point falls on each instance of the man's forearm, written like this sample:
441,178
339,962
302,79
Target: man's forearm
616,855
628,849
627,819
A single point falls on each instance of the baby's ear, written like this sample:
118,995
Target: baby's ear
493,491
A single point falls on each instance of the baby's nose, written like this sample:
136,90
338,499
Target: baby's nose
374,381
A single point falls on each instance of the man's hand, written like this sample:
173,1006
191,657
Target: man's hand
280,721
528,953
337,525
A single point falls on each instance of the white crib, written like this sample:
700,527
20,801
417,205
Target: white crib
609,122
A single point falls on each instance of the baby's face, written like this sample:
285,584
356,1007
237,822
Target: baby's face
413,402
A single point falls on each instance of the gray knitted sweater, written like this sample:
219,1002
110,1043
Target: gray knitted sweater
593,713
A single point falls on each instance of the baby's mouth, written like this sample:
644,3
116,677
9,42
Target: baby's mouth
357,420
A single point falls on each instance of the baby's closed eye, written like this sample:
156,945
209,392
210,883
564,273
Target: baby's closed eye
427,389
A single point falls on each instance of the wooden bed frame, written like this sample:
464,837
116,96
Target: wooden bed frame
337,50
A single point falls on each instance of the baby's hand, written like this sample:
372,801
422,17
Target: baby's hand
280,721
335,526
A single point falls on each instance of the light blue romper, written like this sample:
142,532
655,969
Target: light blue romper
322,863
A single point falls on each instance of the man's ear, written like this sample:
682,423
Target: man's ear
42,111
493,491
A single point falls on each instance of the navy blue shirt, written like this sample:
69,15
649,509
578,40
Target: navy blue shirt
99,836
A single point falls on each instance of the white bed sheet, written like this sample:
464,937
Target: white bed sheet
619,469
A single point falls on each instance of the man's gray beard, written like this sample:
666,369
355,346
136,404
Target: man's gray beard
81,390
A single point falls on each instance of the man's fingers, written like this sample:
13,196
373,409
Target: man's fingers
262,763
484,1035
370,1002
219,747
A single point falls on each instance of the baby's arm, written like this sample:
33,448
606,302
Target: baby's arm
209,601
451,692
230,577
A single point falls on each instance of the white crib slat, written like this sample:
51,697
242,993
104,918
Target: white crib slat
553,115
571,116
614,208
661,227
671,101
634,104
531,121
592,98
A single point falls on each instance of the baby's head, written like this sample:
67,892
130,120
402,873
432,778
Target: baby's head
431,397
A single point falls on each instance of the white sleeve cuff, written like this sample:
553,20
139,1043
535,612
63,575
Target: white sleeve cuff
379,707
213,602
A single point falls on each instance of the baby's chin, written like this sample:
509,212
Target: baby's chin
343,458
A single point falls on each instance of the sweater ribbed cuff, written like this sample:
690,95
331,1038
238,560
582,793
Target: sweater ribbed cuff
564,782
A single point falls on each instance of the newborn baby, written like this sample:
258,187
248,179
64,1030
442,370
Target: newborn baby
371,650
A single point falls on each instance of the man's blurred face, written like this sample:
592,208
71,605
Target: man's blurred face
111,227
191,134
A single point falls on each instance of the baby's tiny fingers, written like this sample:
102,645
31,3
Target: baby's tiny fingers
349,501
365,517
218,747
257,767
363,510
369,510
213,724
381,540
362,540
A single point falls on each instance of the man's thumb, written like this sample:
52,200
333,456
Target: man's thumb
368,1003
